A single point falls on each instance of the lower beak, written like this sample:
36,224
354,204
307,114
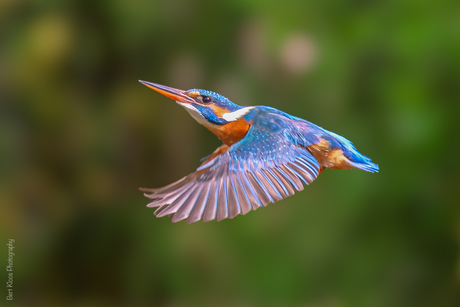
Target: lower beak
170,92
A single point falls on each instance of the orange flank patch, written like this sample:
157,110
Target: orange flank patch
232,132
337,160
320,148
329,158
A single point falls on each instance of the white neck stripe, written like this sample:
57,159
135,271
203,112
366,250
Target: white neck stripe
234,116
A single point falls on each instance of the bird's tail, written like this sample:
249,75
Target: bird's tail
356,159
368,166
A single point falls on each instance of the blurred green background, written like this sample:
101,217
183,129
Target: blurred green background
79,135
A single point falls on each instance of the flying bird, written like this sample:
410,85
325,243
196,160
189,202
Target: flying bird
266,155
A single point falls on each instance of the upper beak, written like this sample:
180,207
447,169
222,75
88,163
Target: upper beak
170,92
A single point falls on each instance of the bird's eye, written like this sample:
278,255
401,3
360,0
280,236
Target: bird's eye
206,99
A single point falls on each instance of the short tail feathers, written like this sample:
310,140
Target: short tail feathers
368,167
356,158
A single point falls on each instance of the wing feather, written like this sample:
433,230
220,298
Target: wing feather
222,204
261,190
233,200
253,197
275,189
211,206
245,203
176,204
283,183
279,186
267,165
200,205
292,177
184,211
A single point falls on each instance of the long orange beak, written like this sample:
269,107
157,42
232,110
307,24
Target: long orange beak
170,92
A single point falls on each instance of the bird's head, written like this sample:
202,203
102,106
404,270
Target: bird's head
207,107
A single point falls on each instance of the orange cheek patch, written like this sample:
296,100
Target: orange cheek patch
218,110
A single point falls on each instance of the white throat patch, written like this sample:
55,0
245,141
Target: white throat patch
193,112
234,116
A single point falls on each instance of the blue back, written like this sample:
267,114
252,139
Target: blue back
302,132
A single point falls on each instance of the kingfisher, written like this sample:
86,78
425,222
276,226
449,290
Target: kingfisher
266,155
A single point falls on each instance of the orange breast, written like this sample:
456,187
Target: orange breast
232,132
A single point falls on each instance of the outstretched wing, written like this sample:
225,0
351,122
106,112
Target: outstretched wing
267,165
